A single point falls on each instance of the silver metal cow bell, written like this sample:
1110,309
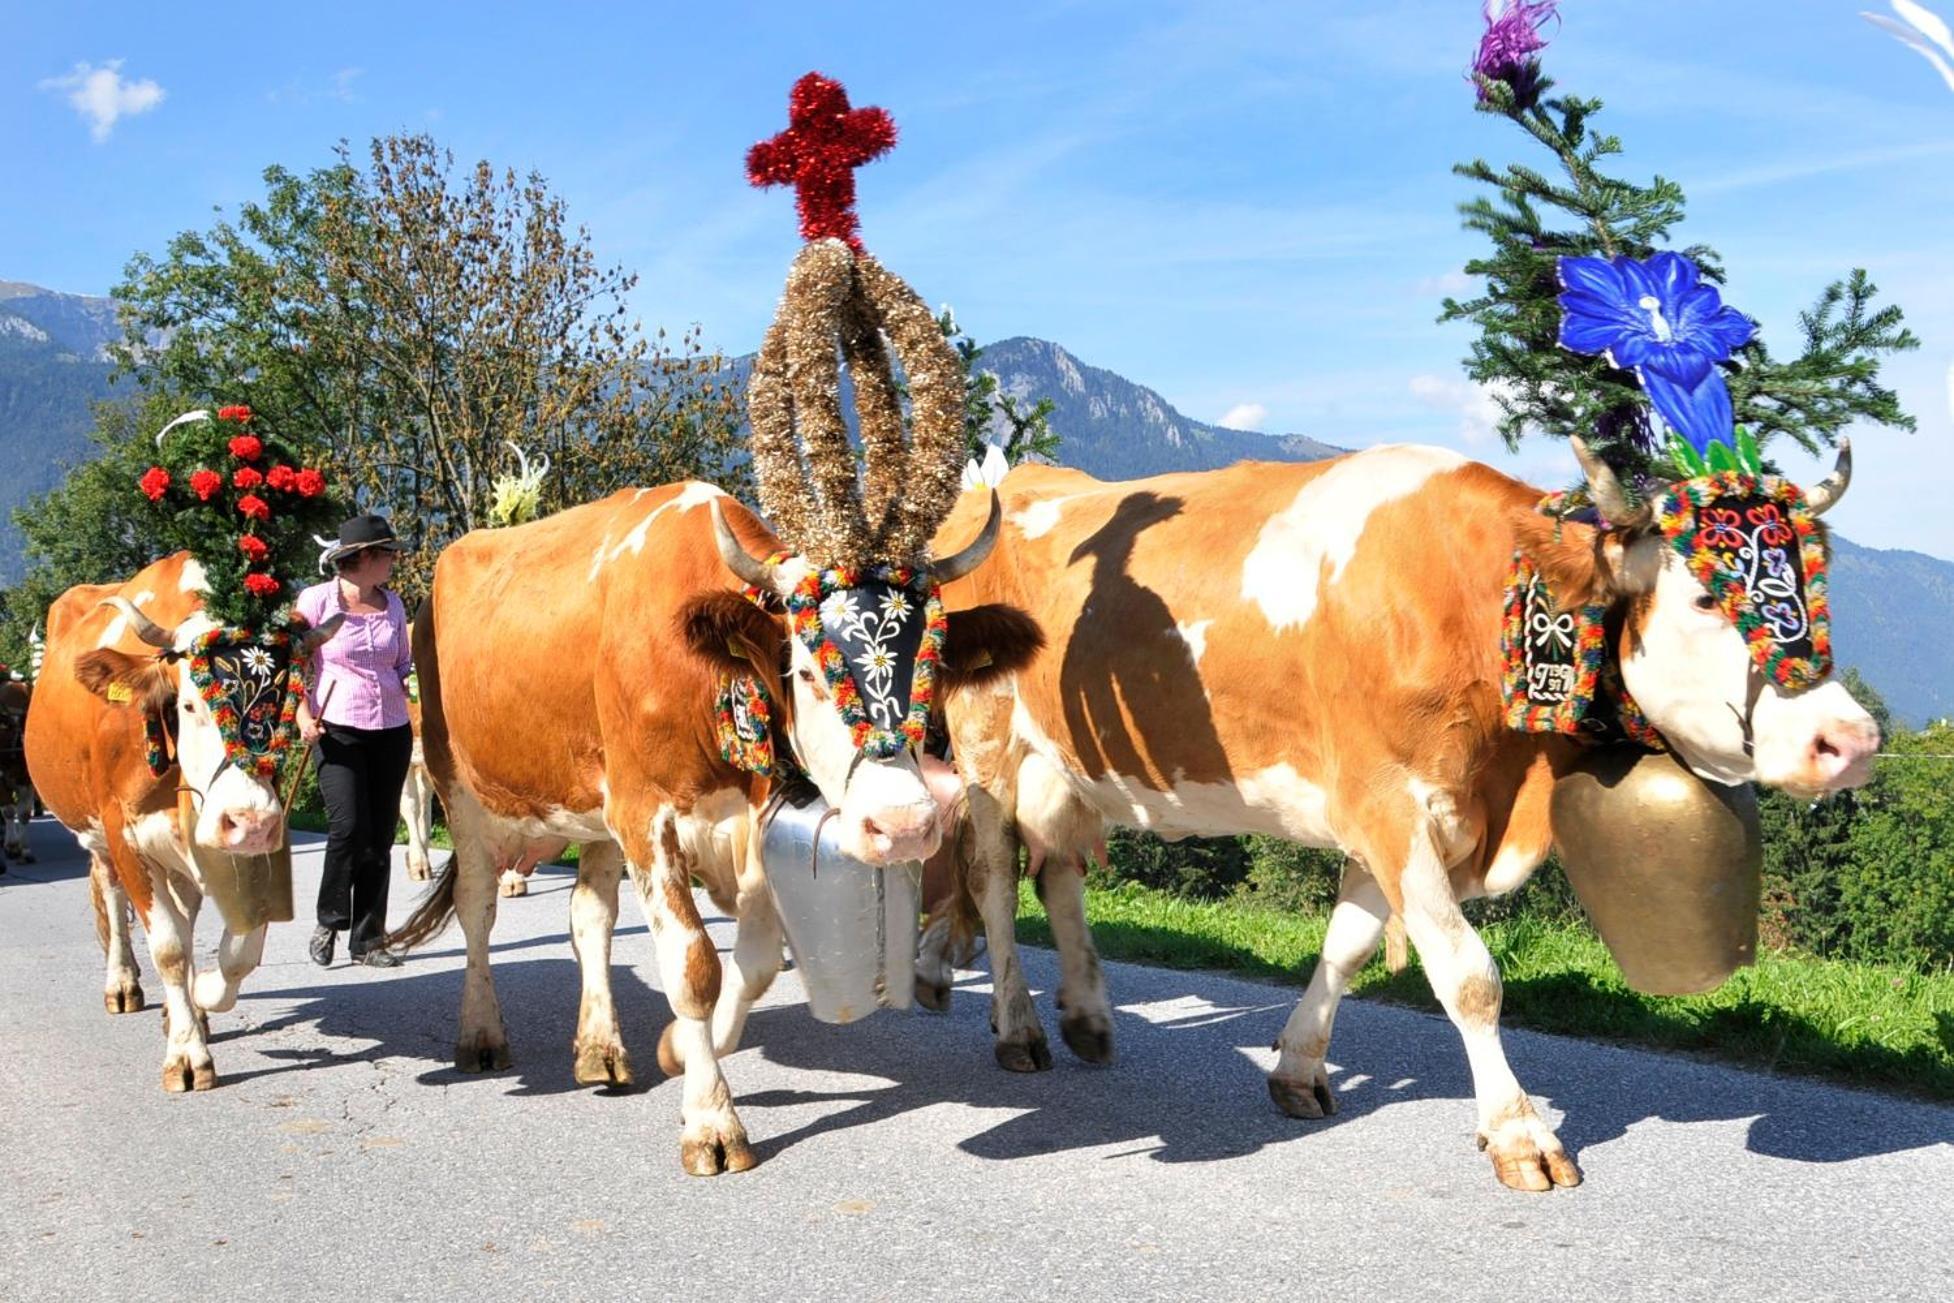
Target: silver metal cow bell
1668,866
852,927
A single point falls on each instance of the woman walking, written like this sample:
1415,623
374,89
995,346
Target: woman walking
356,711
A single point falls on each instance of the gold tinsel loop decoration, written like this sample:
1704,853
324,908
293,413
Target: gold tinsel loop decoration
839,306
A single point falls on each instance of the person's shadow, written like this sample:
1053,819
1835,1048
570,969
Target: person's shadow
1133,699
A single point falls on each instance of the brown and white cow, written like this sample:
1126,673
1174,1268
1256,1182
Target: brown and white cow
115,656
16,788
1313,652
570,670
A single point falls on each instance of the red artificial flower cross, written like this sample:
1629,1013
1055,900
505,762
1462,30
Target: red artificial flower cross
824,143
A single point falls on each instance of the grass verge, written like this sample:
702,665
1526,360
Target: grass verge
1863,1024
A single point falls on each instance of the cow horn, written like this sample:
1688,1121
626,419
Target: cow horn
1610,499
1825,494
319,635
742,563
959,564
142,626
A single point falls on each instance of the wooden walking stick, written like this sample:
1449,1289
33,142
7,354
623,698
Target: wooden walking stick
305,758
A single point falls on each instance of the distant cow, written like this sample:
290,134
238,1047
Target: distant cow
1314,652
16,788
116,658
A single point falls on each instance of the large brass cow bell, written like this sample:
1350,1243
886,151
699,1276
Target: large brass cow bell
248,890
1668,866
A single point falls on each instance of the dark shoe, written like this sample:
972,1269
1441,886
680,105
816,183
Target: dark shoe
377,959
323,940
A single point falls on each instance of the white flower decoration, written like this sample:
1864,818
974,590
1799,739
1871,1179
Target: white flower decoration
896,604
257,660
838,608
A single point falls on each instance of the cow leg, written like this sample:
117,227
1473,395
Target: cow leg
598,1051
417,812
122,984
1299,1085
481,1045
1526,1153
16,819
169,925
216,989
755,963
1021,1044
1085,1014
712,1139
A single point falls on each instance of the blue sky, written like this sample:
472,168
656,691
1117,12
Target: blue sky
1248,207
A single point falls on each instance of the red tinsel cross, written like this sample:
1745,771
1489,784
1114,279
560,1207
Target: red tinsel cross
824,143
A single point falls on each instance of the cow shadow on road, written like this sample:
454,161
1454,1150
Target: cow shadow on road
1189,1084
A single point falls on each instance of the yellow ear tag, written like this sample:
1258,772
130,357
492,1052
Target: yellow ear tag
120,694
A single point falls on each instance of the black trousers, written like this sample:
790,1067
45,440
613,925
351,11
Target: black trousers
361,772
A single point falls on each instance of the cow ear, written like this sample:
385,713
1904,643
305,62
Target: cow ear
731,634
124,680
986,643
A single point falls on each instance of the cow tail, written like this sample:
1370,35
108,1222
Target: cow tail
433,914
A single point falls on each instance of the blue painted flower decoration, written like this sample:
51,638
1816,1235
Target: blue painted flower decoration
1658,319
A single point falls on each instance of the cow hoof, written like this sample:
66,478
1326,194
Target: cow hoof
180,1075
1089,1036
125,998
1311,1099
417,871
598,1064
669,1062
482,1052
515,886
1031,1054
1527,1156
713,1153
933,996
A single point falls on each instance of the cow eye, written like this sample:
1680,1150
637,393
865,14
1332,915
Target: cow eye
806,675
1705,602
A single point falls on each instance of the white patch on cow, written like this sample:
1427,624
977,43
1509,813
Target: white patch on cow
193,579
597,557
1276,800
1511,867
1038,519
1324,523
156,839
692,495
1195,634
1454,834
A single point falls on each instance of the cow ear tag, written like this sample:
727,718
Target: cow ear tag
120,694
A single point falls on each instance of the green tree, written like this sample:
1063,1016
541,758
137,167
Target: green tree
991,417
95,526
1532,218
422,324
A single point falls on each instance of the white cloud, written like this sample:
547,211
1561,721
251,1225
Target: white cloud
102,97
1244,416
1478,413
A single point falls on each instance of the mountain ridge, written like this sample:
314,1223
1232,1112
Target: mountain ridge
1890,605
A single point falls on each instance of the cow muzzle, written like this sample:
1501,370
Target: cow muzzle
1827,747
246,831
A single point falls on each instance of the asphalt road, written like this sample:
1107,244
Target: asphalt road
342,1157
